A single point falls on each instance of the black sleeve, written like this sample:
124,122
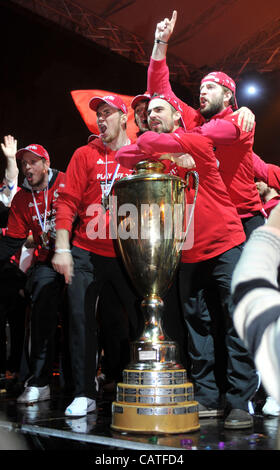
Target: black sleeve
4,214
9,246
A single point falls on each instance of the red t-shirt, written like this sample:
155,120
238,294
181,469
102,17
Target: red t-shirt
90,170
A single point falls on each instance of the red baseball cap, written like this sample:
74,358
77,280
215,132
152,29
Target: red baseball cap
112,100
222,79
138,98
37,149
175,103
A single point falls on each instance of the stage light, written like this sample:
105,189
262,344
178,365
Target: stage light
252,90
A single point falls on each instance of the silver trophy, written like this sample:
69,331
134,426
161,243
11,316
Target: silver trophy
149,213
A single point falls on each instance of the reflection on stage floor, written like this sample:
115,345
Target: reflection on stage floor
43,426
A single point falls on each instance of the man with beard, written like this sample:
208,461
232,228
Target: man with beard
33,209
94,259
218,238
215,119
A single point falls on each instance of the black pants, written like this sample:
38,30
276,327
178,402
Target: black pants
173,321
214,276
91,273
47,287
12,310
251,223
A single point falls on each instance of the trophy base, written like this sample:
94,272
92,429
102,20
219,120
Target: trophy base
176,419
152,402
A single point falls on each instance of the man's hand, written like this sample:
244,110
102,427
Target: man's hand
63,264
9,147
164,29
62,260
246,119
183,160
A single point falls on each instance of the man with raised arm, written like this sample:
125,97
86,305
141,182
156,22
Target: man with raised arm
33,209
232,133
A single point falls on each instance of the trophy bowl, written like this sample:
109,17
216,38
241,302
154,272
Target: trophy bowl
149,216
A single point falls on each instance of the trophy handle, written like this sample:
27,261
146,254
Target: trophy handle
196,184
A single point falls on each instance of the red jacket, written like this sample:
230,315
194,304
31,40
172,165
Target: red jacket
235,157
236,166
23,216
82,196
217,226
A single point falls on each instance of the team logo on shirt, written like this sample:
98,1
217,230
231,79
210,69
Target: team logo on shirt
32,205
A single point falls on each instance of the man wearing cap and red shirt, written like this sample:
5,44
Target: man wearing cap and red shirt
33,208
215,119
94,259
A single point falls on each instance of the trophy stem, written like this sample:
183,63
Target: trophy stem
153,307
153,350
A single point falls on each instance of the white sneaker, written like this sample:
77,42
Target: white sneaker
34,394
80,406
271,407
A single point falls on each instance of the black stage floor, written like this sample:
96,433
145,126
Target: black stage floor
43,426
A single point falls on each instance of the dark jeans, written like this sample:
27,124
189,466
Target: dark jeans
251,223
91,273
12,310
47,287
173,321
208,325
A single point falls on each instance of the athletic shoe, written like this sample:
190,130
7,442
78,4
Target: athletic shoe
238,419
80,406
271,407
34,394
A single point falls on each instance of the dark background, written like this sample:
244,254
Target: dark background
41,63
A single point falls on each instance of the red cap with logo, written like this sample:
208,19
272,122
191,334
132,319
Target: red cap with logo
112,100
222,79
175,103
37,149
138,98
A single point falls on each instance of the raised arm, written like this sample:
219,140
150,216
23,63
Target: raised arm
158,71
9,186
158,80
164,30
9,148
